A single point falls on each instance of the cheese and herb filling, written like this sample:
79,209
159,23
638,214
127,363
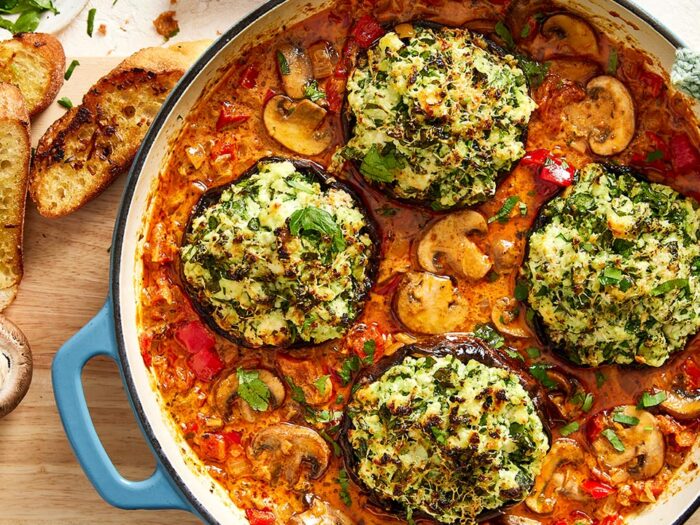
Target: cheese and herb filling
614,269
278,258
446,438
437,117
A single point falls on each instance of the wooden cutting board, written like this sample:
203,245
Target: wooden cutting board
64,286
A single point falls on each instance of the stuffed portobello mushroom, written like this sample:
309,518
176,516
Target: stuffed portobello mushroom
448,430
282,256
613,269
436,116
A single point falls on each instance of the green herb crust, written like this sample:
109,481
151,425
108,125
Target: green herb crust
279,257
438,117
447,438
613,269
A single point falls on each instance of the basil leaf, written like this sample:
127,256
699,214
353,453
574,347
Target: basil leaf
282,63
569,429
65,102
350,366
612,438
27,22
539,372
312,219
370,347
535,72
651,400
313,92
521,291
504,33
71,68
503,214
489,334
321,384
380,166
624,419
253,390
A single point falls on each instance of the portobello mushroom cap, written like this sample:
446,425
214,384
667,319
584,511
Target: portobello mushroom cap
464,348
383,148
290,243
594,335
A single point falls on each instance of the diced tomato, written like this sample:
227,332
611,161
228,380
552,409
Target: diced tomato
268,95
692,371
213,446
195,337
228,116
613,519
653,83
334,93
224,146
190,427
232,437
561,521
684,155
594,427
362,334
597,489
205,364
551,168
366,30
249,78
260,517
389,286
145,341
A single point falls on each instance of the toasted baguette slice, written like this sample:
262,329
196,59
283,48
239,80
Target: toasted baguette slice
15,153
35,63
83,151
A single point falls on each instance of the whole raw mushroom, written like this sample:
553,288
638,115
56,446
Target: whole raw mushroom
15,366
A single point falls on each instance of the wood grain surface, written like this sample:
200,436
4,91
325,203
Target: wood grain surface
65,284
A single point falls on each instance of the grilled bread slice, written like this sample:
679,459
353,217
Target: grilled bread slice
35,63
15,153
83,151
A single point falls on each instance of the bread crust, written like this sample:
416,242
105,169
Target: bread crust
15,117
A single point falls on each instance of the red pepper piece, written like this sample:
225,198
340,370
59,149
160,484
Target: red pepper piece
692,371
551,168
613,519
195,337
227,116
597,489
205,364
232,437
213,446
224,146
653,83
268,95
366,31
684,155
535,157
249,78
260,517
360,335
594,427
334,88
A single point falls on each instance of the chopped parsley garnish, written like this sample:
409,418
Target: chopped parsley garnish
539,372
344,487
619,417
569,429
350,366
535,72
533,352
312,219
337,452
379,166
439,434
655,155
613,439
313,92
65,102
514,354
599,378
489,335
253,390
503,214
370,347
612,61
521,291
321,384
91,21
71,68
282,63
667,286
651,400
504,33
297,391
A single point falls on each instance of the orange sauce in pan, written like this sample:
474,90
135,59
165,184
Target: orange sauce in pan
163,304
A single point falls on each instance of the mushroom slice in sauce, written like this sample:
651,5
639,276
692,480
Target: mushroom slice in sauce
429,304
291,452
323,59
555,478
613,125
299,126
295,69
569,36
321,513
632,449
506,316
681,404
504,254
226,400
446,248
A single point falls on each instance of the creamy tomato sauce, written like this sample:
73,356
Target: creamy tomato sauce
203,157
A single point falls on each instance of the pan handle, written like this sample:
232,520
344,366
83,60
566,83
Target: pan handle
94,339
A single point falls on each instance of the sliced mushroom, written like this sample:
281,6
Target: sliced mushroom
307,375
573,69
504,254
15,366
506,316
641,448
295,69
227,402
569,36
446,248
518,520
568,396
405,30
681,404
299,126
613,126
560,470
429,304
291,452
321,513
323,59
